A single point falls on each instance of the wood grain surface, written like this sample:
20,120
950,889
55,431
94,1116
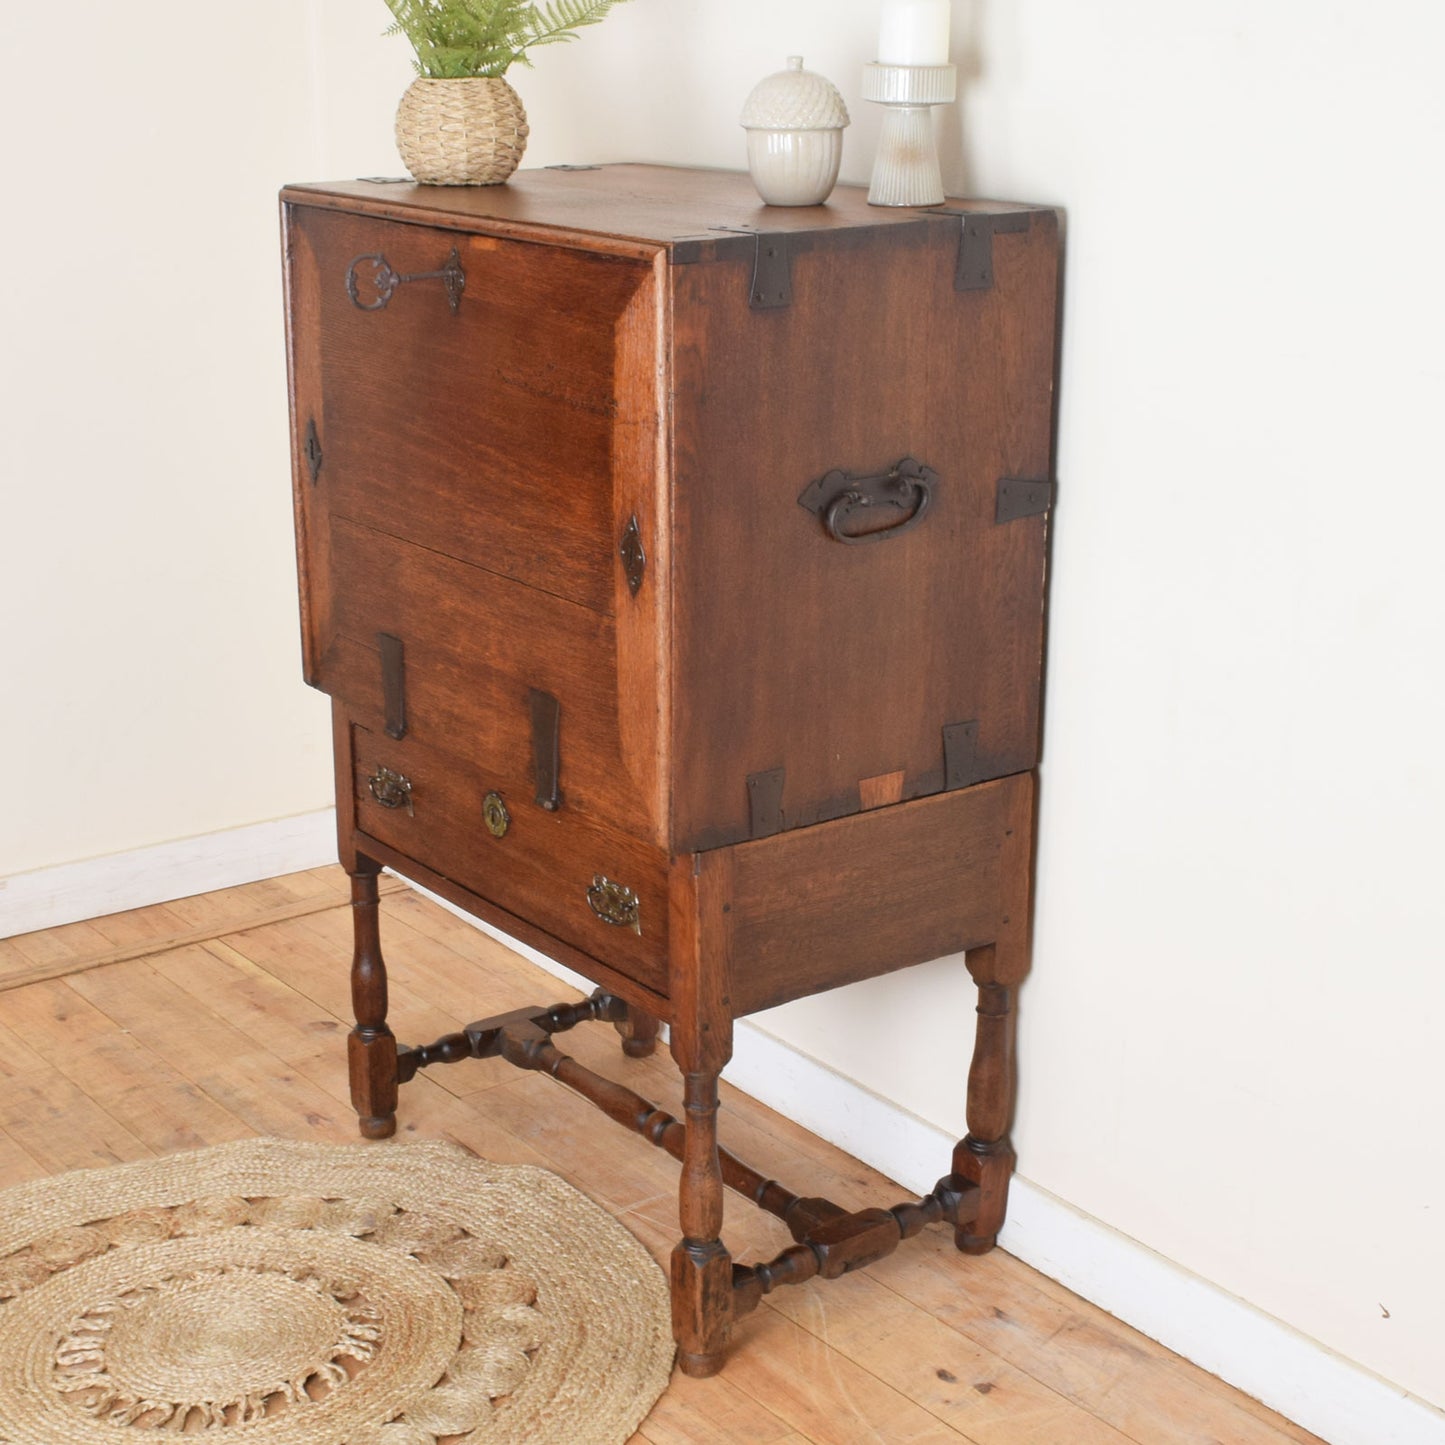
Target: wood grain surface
541,868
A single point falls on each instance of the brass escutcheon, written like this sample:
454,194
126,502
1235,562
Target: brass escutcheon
615,903
495,815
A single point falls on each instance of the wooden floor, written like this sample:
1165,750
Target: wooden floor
223,1016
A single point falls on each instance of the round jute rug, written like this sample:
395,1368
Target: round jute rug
274,1293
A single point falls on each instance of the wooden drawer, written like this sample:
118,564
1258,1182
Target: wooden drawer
542,868
502,432
475,646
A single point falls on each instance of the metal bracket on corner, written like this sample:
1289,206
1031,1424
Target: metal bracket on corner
765,802
771,286
1022,497
974,271
772,273
960,754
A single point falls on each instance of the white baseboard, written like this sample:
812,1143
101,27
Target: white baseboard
1338,1400
70,892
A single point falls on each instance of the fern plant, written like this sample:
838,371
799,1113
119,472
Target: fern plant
459,38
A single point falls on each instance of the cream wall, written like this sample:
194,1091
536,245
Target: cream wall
148,688
1230,1048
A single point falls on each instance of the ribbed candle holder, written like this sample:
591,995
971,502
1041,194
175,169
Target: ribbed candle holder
906,170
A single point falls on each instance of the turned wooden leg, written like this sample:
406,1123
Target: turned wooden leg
985,1156
702,1269
639,1033
371,1049
701,1038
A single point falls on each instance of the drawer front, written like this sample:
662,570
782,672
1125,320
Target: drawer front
558,870
470,649
500,430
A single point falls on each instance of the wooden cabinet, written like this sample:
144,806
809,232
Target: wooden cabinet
676,565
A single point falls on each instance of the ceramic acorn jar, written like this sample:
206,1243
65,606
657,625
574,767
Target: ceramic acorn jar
794,120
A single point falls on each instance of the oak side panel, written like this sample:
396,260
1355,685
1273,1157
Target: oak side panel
343,766
841,664
643,491
867,895
310,512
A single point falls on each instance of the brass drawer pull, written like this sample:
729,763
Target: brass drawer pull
382,280
391,790
615,903
495,815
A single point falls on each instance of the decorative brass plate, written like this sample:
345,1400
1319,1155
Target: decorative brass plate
615,903
495,815
391,789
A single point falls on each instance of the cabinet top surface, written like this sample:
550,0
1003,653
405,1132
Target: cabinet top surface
650,206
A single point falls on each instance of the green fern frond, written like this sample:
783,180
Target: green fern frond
455,38
561,19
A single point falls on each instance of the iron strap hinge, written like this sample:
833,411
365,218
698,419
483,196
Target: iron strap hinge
974,270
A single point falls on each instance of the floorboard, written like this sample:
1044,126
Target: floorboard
225,1015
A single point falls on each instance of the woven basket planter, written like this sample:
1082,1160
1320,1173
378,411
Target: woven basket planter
469,132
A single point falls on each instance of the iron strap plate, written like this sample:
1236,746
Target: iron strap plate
393,683
765,802
960,754
1022,497
974,270
546,747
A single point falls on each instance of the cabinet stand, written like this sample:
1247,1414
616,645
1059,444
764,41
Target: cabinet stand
709,1290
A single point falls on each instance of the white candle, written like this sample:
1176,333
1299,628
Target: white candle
914,32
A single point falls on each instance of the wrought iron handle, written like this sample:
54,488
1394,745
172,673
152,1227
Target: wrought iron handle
615,904
391,789
836,498
384,279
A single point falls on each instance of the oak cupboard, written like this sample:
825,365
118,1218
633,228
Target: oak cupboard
676,567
